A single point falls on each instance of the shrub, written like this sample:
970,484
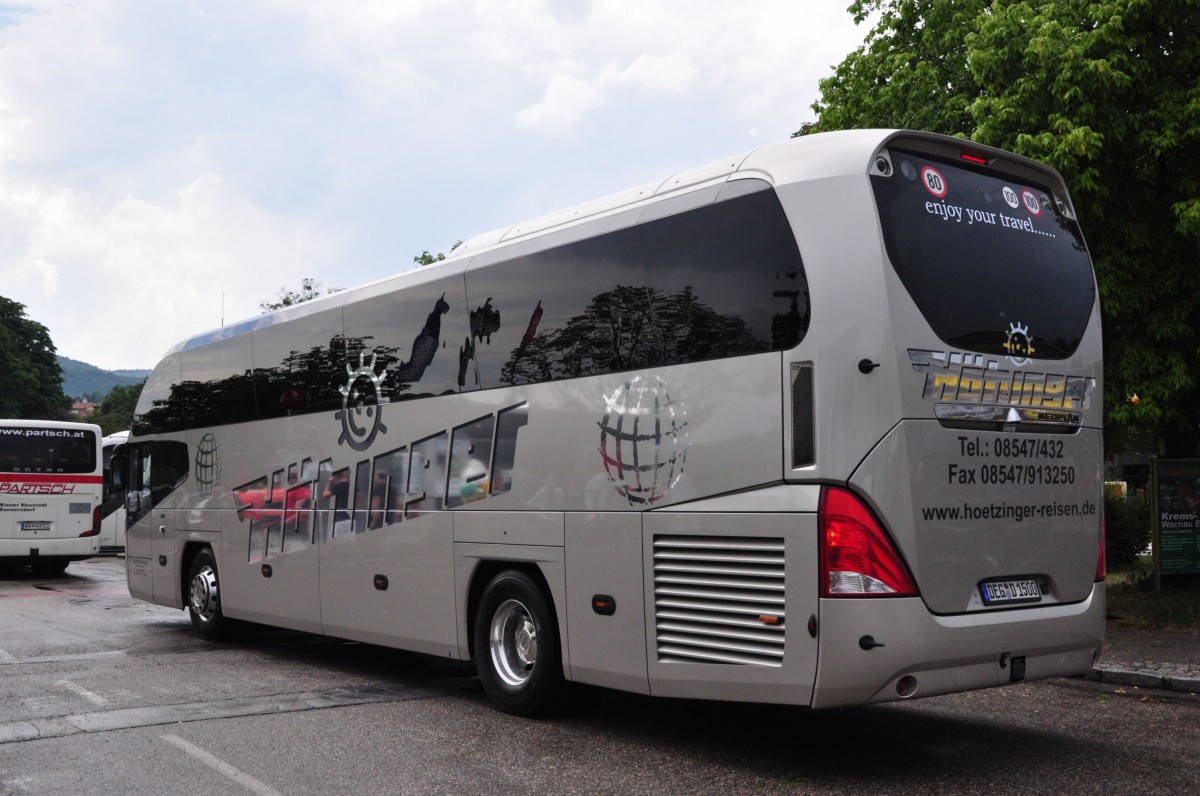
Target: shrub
1127,529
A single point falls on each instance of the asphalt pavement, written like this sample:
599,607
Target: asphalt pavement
1150,658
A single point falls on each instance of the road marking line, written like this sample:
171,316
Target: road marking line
240,777
7,658
79,690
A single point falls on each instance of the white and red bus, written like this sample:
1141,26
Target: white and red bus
51,485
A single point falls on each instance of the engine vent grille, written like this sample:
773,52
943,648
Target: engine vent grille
719,599
804,446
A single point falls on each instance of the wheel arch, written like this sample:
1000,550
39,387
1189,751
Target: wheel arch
485,570
190,550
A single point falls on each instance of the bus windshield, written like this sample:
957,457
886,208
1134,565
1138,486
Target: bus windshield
992,264
47,450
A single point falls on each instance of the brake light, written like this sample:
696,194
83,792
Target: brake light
97,518
1100,567
857,558
971,157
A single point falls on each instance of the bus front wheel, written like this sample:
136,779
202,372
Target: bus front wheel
516,645
204,597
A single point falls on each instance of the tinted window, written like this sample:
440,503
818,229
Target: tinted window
160,407
217,385
417,334
991,263
574,310
300,365
722,280
47,450
725,280
156,470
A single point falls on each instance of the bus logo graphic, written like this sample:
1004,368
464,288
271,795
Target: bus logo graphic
208,467
362,398
1018,345
643,440
975,379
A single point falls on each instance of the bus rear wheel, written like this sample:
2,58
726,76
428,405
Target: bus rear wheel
517,653
204,597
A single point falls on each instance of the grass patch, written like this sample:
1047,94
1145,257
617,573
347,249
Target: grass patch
1132,601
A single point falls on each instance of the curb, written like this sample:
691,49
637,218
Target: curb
1167,678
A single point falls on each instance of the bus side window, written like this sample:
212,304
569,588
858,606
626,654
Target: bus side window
470,454
511,421
387,488
426,476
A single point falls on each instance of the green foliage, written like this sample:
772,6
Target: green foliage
115,412
1132,600
1109,94
30,378
1127,529
310,288
425,258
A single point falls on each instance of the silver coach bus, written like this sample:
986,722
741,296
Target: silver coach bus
819,424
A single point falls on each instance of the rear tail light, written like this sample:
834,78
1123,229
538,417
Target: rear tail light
857,558
1100,567
97,518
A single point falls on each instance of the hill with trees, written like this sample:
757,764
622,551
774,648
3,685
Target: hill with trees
81,380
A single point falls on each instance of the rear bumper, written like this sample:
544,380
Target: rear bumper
948,654
76,548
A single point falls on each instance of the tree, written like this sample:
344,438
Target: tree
1109,94
310,288
30,377
425,258
115,412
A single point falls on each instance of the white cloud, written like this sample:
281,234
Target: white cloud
564,108
145,275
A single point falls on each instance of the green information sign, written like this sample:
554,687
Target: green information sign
1176,491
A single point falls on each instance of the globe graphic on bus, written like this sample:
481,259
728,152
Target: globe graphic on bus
643,440
207,469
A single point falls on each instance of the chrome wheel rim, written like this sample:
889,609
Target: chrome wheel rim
513,643
204,593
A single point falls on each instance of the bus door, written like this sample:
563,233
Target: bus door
157,468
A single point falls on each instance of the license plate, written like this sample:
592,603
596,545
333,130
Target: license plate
35,525
1016,590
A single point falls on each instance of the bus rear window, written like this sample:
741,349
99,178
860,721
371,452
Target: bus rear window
991,263
47,450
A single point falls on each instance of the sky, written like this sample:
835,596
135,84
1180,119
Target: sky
165,167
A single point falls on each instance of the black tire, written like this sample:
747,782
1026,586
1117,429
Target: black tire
204,597
517,653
